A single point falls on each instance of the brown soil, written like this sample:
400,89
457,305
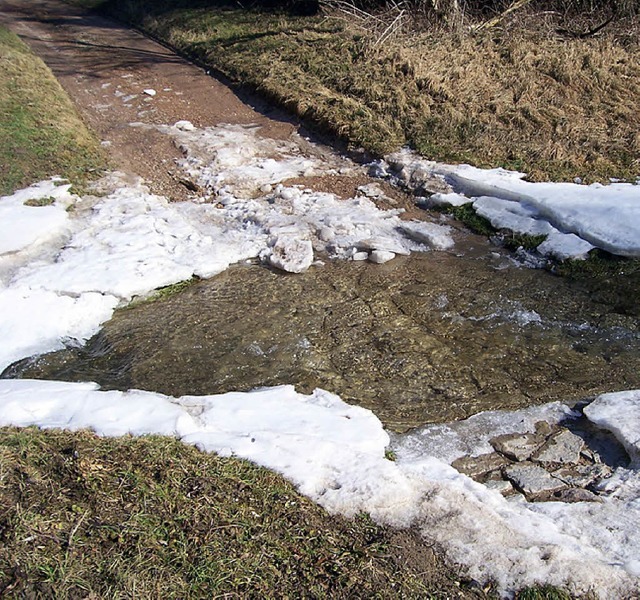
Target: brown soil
105,68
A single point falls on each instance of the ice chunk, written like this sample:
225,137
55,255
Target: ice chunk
185,126
431,234
381,256
443,199
291,255
565,245
619,412
508,214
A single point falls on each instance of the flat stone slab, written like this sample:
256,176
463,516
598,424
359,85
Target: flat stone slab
576,495
500,485
476,466
532,479
562,447
581,475
516,446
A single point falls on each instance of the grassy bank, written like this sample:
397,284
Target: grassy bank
517,95
40,133
82,516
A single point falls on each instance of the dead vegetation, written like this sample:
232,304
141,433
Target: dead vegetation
519,93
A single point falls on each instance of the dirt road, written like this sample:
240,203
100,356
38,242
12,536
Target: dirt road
116,77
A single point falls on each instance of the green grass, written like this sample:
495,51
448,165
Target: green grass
467,215
40,133
545,592
164,292
82,516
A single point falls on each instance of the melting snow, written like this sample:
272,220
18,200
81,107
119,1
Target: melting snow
63,271
334,453
64,268
602,216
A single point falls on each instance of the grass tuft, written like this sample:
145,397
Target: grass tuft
543,592
40,133
82,516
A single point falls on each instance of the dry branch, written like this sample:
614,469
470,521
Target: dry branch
499,18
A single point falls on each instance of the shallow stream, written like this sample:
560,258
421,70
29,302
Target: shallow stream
428,338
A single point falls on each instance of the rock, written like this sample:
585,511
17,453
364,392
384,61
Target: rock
582,475
357,256
190,185
590,455
371,190
500,485
532,479
291,255
543,429
476,466
516,446
575,495
150,92
381,256
563,447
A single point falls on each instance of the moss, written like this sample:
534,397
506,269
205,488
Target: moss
599,265
514,241
467,215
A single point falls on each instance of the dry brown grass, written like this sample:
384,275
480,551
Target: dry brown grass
518,95
550,106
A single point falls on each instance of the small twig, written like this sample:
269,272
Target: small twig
498,19
75,529
590,32
390,30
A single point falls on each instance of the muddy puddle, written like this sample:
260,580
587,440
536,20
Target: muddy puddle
428,338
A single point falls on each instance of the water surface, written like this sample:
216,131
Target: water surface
427,338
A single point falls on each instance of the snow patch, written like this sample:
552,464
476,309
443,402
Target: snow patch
334,453
619,412
23,225
605,216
